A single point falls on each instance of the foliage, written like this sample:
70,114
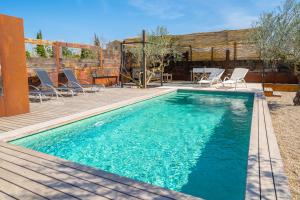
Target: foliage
96,40
276,34
160,49
66,52
87,54
49,51
28,55
40,49
277,37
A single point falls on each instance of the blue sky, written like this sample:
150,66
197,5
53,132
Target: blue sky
78,20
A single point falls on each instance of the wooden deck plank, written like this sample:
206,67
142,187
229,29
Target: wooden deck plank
47,181
280,180
59,108
164,193
24,188
98,181
253,181
266,176
67,178
5,196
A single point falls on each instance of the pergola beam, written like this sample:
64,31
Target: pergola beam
61,44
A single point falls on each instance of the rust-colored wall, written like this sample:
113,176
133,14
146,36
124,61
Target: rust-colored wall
283,87
13,67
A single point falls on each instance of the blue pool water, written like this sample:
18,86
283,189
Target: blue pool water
189,141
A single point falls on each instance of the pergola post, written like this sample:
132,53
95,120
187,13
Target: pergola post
191,52
57,55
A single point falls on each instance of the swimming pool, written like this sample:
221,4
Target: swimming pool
194,142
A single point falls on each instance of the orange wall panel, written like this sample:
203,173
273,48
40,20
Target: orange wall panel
13,67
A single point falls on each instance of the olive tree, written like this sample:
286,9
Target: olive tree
160,49
276,35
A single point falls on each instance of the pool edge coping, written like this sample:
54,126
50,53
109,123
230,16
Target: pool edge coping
280,188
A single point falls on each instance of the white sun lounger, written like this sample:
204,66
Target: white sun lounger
214,77
238,76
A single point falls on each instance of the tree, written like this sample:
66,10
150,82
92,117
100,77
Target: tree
66,52
160,49
49,51
276,35
97,40
40,49
86,54
28,55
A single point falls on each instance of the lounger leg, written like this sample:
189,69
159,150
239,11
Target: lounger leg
41,99
245,83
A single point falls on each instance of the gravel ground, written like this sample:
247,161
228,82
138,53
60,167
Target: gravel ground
286,123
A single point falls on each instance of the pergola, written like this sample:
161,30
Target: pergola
143,64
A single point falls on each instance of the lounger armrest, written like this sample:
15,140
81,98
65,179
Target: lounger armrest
34,87
74,83
203,78
226,78
56,90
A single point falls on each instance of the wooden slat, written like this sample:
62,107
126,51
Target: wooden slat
67,178
60,108
46,180
96,182
6,196
253,181
266,176
164,193
13,190
279,178
24,188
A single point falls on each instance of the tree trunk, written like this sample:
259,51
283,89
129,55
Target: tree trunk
297,97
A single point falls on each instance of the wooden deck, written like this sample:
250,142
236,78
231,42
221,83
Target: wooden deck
26,174
70,105
265,174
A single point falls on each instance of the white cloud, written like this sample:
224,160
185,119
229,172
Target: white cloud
238,19
164,9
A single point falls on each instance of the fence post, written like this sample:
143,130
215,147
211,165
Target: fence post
100,57
144,67
212,54
121,63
